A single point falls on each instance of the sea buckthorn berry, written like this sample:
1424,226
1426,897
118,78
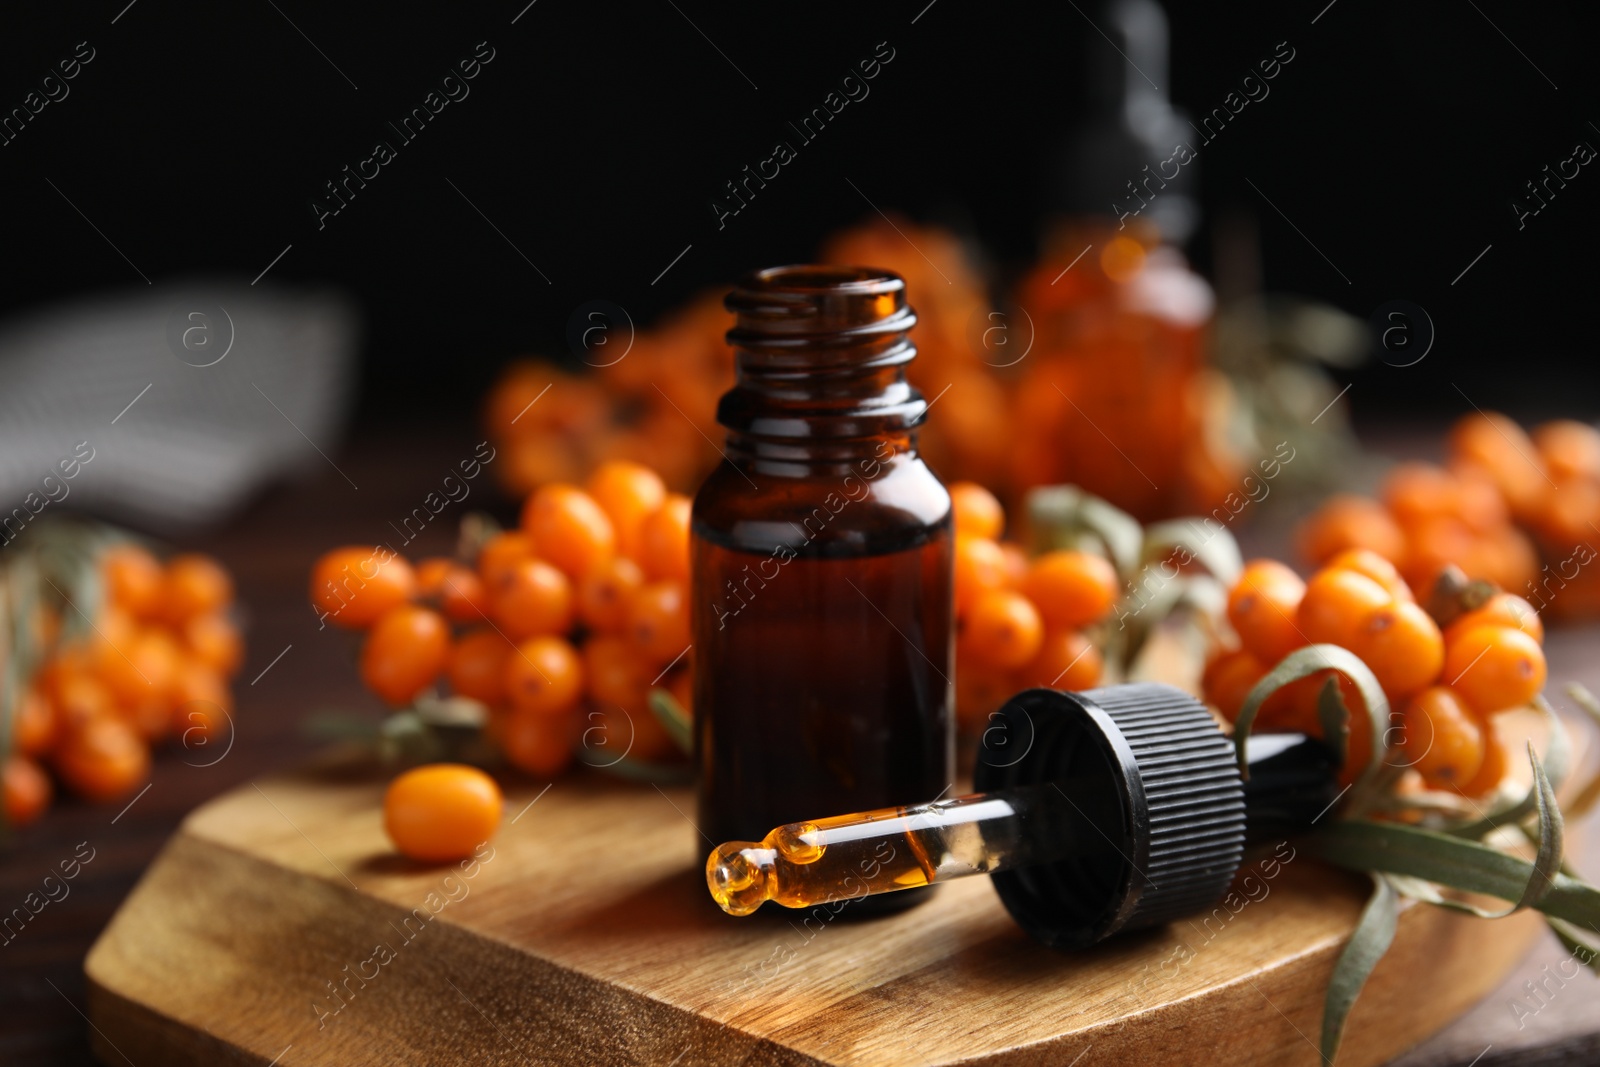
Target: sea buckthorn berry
664,540
976,511
477,666
502,552
27,790
1494,667
1071,588
430,575
1016,564
1402,645
980,567
1443,740
354,585
1502,609
544,675
140,673
1335,604
463,596
980,690
614,673
215,641
533,598
1002,630
658,622
404,653
1496,444
1496,760
1066,660
605,593
1228,679
103,760
34,730
1416,491
1570,449
568,528
1262,606
628,493
194,585
133,579
1346,521
79,699
1367,562
1479,503
537,743
441,812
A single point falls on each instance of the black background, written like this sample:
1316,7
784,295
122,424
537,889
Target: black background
596,138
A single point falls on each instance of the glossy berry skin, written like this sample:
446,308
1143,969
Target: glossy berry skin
477,666
536,743
501,553
568,528
1495,667
606,593
1402,645
658,622
628,493
104,760
1367,562
544,675
1229,678
1502,609
1066,660
192,585
354,585
441,812
664,540
1335,604
980,567
404,653
976,511
1443,739
133,579
1002,630
1071,589
533,598
1262,607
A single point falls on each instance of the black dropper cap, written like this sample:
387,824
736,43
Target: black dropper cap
1147,769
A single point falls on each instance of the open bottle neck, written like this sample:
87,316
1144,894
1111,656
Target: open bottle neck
821,353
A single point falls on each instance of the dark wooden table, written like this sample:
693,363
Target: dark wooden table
270,548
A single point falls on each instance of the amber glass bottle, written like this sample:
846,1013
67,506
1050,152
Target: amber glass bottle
821,565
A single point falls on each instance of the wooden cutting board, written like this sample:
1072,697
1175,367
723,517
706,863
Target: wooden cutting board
587,937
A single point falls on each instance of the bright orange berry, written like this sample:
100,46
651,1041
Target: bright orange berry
628,493
1367,562
133,579
605,594
1002,630
1443,740
976,511
477,666
103,760
568,528
354,585
441,812
658,621
26,790
980,567
1402,645
1494,667
404,653
664,540
1066,660
533,598
1262,607
544,675
538,743
502,552
1336,603
1070,588
1502,609
194,585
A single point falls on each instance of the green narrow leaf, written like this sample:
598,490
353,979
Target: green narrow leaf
1303,663
665,707
1437,857
1335,719
659,773
1571,938
1213,546
1368,942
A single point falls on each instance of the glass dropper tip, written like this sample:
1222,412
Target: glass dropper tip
737,875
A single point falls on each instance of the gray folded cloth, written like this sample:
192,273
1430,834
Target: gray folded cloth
168,408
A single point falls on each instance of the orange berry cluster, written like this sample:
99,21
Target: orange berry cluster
655,405
1446,684
560,627
1118,335
155,663
1501,493
1020,622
